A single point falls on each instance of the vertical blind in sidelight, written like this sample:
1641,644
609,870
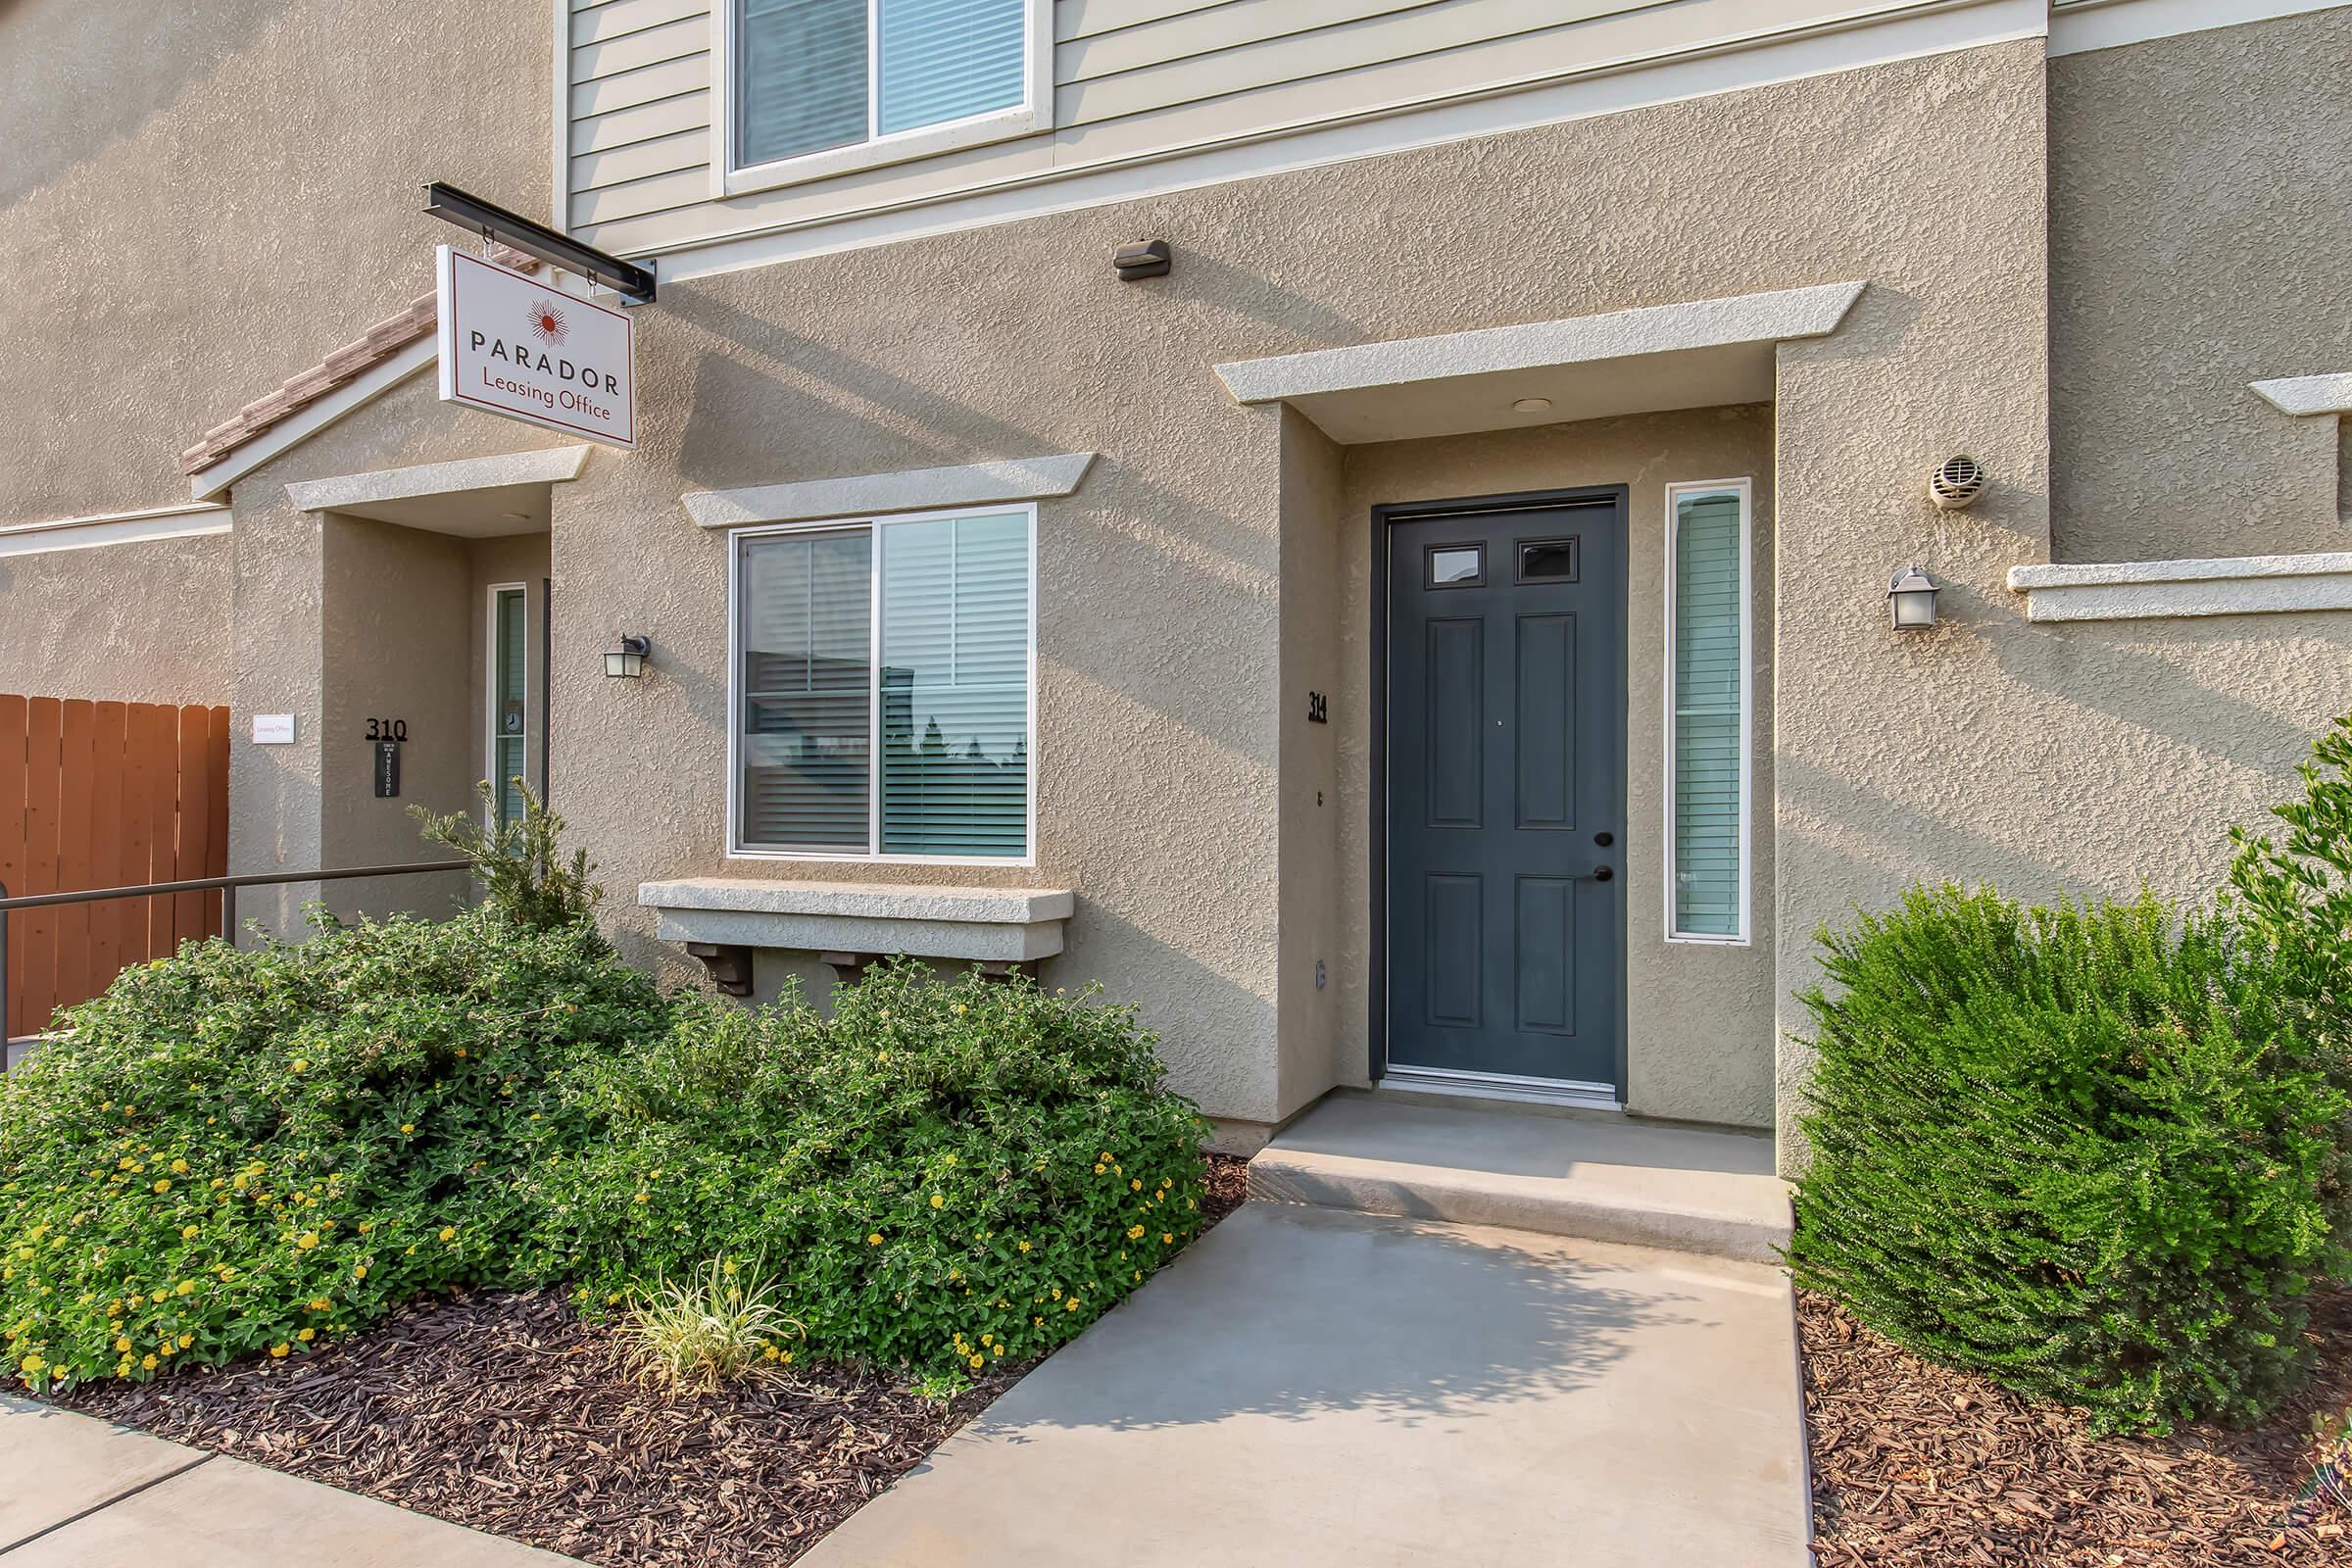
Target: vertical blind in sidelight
1709,674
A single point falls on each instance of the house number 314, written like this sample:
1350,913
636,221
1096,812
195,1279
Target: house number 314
387,729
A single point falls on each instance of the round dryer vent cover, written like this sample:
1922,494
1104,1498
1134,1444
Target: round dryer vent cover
1956,483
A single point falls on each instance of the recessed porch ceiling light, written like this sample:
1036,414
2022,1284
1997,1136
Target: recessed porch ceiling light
1532,406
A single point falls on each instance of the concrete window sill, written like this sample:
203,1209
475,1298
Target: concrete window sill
979,925
2135,590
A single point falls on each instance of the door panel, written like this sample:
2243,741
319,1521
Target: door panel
1506,773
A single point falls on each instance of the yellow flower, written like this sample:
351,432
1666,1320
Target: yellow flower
187,1232
959,1006
728,1269
239,1181
1167,1238
163,1183
1070,1306
359,1273
307,1240
1134,1231
122,1343
300,1064
147,1362
947,1160
978,1361
786,1359
1134,1185
1024,1246
938,1200
280,1349
186,1340
180,1167
641,1197
320,1304
366,1226
33,1363
306,1335
185,1287
770,1352
874,1239
448,1232
407,1126
164,1348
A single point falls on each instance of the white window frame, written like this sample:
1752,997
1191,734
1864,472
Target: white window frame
873,854
1745,488
490,735
731,178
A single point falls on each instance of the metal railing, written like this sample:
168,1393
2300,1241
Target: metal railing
226,886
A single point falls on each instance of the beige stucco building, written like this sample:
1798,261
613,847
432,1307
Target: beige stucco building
1437,634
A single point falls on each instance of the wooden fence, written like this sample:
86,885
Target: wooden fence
97,795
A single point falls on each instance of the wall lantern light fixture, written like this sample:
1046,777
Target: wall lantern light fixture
627,663
1911,600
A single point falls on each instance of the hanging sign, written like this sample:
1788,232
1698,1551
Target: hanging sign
512,345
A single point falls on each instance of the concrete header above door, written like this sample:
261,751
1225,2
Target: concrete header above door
1697,354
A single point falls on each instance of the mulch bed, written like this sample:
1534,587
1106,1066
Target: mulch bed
507,1414
1916,1465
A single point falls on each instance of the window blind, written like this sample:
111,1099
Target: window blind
944,60
1708,738
955,678
800,77
804,605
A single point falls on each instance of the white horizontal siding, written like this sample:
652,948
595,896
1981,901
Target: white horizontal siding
613,18
1132,78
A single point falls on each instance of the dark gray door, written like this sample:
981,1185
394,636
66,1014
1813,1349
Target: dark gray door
1505,739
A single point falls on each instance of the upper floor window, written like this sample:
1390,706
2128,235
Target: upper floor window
823,86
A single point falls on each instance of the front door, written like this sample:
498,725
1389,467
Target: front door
1505,792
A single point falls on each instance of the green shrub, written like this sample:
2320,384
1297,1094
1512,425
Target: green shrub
940,1176
518,862
232,1152
2085,1151
2293,899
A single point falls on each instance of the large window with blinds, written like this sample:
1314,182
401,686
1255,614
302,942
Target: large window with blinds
882,688
1707,657
819,86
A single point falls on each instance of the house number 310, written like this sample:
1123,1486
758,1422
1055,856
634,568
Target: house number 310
387,729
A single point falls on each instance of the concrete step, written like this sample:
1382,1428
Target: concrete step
1684,1189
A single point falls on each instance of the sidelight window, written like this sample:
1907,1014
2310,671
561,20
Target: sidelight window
882,688
1707,632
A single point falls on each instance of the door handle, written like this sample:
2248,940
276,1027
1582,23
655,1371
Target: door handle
1603,874
1604,840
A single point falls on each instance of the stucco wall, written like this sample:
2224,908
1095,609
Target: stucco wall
202,200
1315,914
135,622
1164,685
2198,241
1699,1017
288,658
395,634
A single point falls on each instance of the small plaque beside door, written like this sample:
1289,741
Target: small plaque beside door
387,771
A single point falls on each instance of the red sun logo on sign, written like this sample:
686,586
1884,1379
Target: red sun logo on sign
547,323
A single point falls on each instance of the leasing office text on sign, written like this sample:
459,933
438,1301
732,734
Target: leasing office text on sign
512,345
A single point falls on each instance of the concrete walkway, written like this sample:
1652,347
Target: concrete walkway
1307,1388
77,1492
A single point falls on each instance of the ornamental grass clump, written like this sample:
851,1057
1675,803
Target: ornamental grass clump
240,1152
2093,1152
718,1327
943,1177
